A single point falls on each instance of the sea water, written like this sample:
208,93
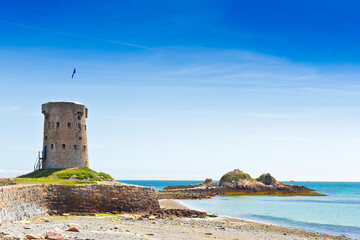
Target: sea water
336,214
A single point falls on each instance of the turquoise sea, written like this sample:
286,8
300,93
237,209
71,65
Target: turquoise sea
337,214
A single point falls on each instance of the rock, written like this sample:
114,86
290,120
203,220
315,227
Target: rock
65,214
267,179
170,213
152,217
53,212
209,183
29,236
236,179
22,222
53,235
73,229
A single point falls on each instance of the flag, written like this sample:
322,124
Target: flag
73,73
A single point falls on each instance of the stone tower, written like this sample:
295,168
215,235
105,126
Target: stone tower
65,141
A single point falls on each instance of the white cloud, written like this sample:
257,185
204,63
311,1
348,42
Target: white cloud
8,109
10,171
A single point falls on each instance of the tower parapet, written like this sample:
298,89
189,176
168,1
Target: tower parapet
65,138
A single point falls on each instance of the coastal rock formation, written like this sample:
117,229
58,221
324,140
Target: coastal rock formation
267,179
236,179
208,183
166,213
190,193
206,189
239,183
236,183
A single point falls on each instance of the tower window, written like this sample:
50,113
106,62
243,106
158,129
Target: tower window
79,117
85,127
45,137
57,125
84,148
52,146
79,126
69,125
80,138
63,147
49,125
76,147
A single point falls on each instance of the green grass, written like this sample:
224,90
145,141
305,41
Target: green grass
63,176
108,215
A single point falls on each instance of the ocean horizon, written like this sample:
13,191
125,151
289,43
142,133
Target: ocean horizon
336,214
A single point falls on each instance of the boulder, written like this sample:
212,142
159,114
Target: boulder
267,179
54,235
209,183
73,229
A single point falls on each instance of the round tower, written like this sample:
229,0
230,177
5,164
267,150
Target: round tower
65,141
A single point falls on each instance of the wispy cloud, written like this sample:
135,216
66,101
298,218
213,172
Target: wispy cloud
8,109
78,35
278,115
10,171
333,91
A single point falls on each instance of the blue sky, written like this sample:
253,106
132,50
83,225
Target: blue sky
188,89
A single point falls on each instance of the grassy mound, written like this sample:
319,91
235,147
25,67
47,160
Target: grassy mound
63,176
234,176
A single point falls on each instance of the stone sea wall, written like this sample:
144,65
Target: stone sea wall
23,202
30,201
102,198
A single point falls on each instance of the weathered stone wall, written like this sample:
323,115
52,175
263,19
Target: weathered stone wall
30,201
65,138
102,198
23,202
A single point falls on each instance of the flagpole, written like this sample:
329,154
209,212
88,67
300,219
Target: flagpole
75,87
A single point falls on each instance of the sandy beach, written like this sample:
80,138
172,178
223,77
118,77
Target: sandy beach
134,226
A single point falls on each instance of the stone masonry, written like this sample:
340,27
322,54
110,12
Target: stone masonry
65,138
21,202
102,198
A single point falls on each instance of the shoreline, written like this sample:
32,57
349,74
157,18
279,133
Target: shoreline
136,227
173,203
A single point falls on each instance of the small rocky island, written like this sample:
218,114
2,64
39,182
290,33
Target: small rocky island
236,183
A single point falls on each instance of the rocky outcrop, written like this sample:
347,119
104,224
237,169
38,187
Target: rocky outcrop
206,189
208,183
236,183
169,213
267,179
236,179
190,193
239,183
